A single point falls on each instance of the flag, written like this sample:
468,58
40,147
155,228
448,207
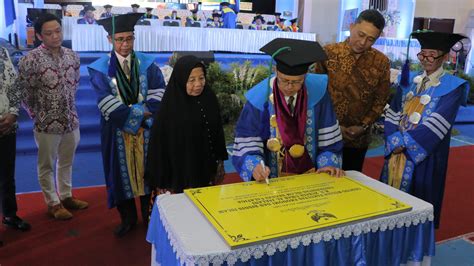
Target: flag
9,12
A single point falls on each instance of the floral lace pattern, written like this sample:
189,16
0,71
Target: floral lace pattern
257,251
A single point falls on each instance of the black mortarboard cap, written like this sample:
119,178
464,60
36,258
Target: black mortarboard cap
296,60
89,8
259,17
108,6
225,4
123,23
277,14
136,5
282,20
149,8
63,4
437,40
293,20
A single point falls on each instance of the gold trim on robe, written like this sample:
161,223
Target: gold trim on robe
135,155
396,163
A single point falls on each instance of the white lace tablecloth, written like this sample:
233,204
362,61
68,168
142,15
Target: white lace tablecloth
195,241
167,39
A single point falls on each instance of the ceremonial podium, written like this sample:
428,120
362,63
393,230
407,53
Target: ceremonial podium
181,235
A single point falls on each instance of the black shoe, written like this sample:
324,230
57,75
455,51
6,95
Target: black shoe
17,223
123,228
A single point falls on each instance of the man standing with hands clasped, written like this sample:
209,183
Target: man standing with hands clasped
359,81
129,88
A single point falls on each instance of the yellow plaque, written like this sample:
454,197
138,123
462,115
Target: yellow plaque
250,212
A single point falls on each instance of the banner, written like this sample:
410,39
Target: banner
250,212
10,15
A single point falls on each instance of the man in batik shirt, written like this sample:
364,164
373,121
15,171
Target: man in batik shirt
49,76
9,104
359,81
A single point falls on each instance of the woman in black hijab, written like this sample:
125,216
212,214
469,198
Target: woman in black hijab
187,145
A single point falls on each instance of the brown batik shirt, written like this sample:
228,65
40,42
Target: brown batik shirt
359,88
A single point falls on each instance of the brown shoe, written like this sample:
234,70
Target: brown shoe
74,204
59,212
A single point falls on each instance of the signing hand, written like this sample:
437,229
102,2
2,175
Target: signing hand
333,171
260,173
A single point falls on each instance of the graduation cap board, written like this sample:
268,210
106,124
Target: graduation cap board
437,40
89,8
108,6
293,57
429,39
121,23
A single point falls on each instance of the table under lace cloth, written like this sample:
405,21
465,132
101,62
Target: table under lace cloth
180,234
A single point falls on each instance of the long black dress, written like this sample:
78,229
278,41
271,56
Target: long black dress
187,139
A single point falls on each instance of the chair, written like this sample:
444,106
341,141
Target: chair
174,24
192,24
171,23
143,22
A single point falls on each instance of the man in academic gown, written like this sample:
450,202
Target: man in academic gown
288,121
129,87
108,12
135,8
148,14
419,121
229,18
88,16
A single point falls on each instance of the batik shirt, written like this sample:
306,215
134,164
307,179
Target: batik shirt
49,83
9,93
359,88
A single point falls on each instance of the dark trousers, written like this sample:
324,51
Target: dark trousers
128,210
7,175
353,158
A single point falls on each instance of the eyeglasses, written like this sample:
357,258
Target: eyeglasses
122,39
288,83
428,58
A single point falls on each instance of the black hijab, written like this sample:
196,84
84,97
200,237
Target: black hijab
187,137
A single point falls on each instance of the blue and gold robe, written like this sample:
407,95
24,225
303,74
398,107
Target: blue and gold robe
421,168
323,139
122,124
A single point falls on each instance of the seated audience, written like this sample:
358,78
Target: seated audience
216,22
108,12
258,22
148,14
88,16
